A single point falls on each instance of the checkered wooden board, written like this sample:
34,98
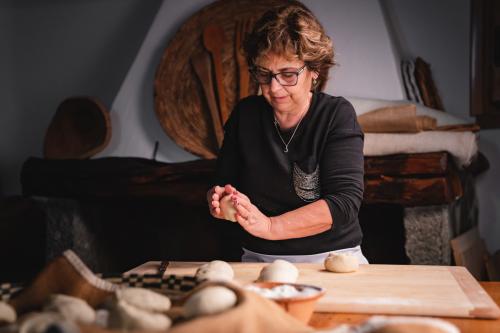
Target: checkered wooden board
167,283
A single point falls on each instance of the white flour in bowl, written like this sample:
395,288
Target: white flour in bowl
283,291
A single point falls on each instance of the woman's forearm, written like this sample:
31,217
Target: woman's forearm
308,220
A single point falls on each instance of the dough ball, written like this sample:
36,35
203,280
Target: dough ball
124,316
341,263
215,270
209,300
211,275
7,313
221,266
139,309
227,208
40,322
144,299
71,308
279,271
284,263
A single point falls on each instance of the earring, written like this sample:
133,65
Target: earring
315,82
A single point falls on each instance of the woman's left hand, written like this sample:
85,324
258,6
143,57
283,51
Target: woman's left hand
250,217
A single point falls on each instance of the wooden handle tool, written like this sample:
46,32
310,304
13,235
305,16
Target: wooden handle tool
213,39
242,28
203,69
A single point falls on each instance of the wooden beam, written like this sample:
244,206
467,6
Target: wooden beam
407,164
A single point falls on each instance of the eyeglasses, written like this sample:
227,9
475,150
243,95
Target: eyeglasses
285,78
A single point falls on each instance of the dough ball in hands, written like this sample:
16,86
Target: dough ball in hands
341,263
71,308
227,208
279,271
7,314
209,300
215,270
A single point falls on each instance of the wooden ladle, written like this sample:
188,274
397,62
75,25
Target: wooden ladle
203,69
213,39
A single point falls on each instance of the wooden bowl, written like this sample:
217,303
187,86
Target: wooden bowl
300,307
80,129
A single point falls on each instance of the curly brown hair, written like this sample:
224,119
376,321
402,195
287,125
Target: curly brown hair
292,31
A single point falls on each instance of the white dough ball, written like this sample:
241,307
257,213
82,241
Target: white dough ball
71,308
7,313
215,270
341,263
221,266
227,208
277,274
212,275
279,271
209,300
128,317
284,263
144,299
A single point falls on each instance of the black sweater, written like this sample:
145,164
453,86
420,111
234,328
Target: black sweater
324,161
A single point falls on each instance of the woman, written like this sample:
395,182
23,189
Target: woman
292,159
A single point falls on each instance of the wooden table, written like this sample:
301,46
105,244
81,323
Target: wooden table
330,320
322,320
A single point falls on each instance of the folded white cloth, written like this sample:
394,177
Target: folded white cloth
462,146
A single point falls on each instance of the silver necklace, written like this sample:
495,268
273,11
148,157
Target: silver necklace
276,124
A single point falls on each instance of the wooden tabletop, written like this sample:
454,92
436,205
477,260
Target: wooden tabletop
323,320
331,320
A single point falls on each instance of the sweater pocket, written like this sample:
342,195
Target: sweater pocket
306,184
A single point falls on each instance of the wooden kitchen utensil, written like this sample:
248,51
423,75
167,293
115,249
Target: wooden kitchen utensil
80,129
203,68
213,39
242,28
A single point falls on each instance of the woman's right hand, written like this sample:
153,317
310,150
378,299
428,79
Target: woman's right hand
214,195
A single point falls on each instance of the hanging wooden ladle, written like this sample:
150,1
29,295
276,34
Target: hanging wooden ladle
203,69
213,39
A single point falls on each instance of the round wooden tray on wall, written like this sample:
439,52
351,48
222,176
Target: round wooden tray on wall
180,102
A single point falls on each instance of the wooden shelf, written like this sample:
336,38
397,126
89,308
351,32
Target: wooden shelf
406,179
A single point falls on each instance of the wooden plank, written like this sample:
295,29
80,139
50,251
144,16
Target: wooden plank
470,251
483,307
408,179
426,85
324,320
384,289
407,164
408,191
